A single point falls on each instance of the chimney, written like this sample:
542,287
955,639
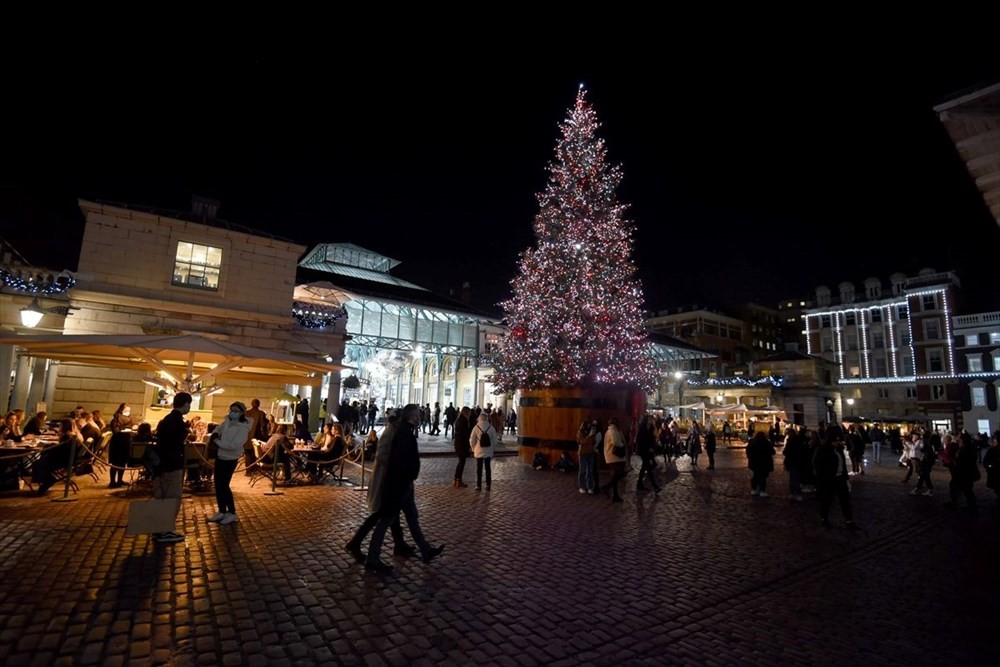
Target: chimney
204,208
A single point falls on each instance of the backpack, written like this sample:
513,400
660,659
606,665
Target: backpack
484,439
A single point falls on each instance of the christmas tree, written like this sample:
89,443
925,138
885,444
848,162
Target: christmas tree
576,315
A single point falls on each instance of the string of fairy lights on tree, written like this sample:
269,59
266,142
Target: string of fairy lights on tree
576,316
37,283
312,316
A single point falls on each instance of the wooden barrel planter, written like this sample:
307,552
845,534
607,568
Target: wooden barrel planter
548,419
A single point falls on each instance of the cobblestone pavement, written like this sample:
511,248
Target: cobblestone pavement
533,573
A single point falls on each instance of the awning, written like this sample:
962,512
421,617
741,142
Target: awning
187,360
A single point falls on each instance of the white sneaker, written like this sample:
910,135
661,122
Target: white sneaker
755,492
928,492
227,519
216,518
583,490
916,492
763,494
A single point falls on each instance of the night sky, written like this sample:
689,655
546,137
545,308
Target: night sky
754,171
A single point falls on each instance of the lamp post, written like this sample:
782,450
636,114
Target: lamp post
850,404
830,416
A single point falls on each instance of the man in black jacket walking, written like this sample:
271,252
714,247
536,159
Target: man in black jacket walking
171,434
397,494
830,466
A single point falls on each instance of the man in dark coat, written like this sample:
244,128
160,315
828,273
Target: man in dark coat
830,466
462,433
171,434
397,493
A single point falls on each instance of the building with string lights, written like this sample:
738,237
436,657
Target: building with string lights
895,350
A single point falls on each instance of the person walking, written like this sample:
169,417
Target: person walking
877,436
588,458
482,442
645,443
710,447
910,455
615,455
830,466
450,415
402,469
436,419
171,434
374,498
233,433
794,453
760,460
462,432
965,473
927,456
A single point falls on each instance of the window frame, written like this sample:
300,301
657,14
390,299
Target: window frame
208,247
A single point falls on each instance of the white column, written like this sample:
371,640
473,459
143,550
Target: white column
37,387
315,399
22,373
49,396
6,369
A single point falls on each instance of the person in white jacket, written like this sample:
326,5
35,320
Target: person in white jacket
613,438
481,450
231,435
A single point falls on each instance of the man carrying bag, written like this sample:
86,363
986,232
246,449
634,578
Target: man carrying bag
168,486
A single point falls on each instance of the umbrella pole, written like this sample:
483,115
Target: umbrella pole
69,477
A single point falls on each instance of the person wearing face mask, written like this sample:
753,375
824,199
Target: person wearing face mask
232,434
122,426
171,434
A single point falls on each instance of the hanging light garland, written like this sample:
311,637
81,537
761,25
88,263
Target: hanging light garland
773,380
312,316
37,283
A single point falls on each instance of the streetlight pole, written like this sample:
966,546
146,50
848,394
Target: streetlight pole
679,376
850,404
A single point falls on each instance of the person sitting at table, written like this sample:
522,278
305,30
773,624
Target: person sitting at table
122,426
99,419
88,429
37,424
302,430
11,427
280,444
56,456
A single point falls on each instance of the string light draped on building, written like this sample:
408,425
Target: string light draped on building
576,315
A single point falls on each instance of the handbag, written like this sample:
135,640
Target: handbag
157,515
619,451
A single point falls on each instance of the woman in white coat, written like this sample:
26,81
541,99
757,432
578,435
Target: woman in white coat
614,440
231,435
482,441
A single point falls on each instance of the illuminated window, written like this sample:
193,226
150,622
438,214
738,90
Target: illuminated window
996,361
971,340
979,396
994,337
197,266
935,361
975,363
932,330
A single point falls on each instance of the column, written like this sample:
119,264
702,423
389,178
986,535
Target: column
7,358
22,373
315,399
37,387
49,395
